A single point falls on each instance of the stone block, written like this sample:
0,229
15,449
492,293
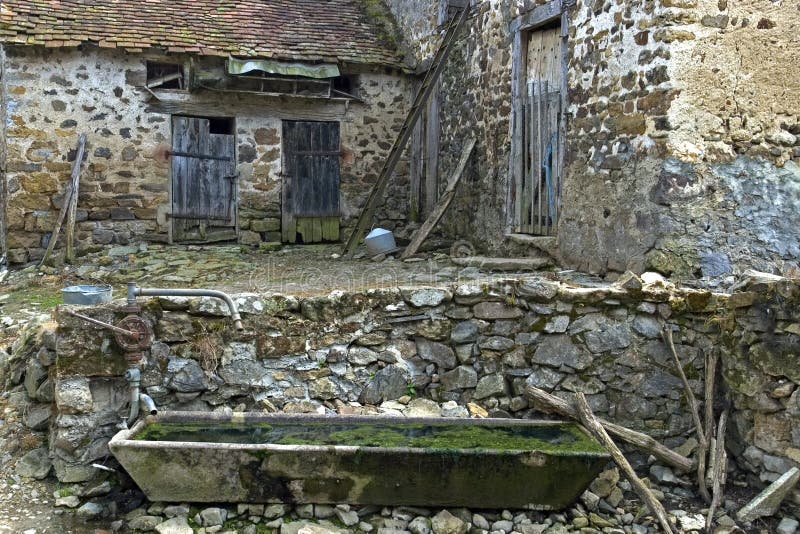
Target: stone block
73,395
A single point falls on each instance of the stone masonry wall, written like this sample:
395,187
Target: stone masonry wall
682,135
53,95
476,345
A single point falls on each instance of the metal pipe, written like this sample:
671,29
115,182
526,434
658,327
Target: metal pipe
134,410
134,376
129,333
134,291
148,404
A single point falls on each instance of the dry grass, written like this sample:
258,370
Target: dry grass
207,347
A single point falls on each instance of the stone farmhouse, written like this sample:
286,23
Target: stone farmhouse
277,89
645,135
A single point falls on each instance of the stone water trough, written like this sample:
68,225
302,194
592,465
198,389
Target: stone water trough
274,458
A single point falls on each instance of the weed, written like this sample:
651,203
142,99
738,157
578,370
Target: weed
207,346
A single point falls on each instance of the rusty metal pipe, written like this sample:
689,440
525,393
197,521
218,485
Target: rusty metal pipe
135,291
132,334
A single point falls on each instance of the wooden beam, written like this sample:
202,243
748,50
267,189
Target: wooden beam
71,190
537,16
444,202
588,420
427,87
432,131
550,403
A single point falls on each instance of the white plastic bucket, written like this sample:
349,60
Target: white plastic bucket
380,241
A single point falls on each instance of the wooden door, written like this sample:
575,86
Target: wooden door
203,190
539,199
310,206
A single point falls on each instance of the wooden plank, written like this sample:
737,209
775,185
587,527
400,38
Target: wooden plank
330,229
415,173
75,179
428,84
316,230
288,224
71,189
518,120
432,131
539,15
444,202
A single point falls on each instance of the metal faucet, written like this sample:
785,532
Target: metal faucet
134,291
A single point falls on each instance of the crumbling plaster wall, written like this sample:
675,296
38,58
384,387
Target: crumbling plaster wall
53,95
682,134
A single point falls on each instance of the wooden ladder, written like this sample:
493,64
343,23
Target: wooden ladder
421,100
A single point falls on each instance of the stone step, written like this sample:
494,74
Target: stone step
503,264
547,244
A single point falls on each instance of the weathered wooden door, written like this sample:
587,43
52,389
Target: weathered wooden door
203,190
310,206
539,198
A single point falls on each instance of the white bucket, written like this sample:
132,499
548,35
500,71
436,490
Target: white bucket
380,241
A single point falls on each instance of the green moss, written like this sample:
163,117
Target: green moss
381,19
548,438
44,298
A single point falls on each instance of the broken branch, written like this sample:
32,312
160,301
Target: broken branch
551,403
702,449
588,420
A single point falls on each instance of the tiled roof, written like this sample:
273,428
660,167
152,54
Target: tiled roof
300,30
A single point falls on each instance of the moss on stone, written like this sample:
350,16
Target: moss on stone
550,438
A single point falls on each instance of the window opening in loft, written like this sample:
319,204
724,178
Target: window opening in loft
165,75
345,85
220,125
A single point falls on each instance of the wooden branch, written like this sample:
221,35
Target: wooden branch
71,191
702,449
550,403
720,470
711,373
588,420
441,206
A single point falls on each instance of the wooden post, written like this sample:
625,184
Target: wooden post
591,423
70,196
720,470
702,449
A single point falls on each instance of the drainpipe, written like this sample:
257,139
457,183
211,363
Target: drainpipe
134,377
135,291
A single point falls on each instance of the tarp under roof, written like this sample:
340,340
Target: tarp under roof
308,70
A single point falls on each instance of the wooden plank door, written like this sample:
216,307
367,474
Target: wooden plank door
310,205
203,190
539,199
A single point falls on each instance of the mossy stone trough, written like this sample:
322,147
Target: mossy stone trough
272,458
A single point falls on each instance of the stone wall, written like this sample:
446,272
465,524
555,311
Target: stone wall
682,145
475,345
54,95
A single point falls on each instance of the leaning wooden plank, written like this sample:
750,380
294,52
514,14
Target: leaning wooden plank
73,207
424,93
71,190
441,206
702,449
591,423
550,403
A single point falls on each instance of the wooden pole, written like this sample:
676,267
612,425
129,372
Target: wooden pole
551,403
588,420
720,470
71,191
702,449
441,206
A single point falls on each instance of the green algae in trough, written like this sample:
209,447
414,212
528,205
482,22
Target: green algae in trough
486,463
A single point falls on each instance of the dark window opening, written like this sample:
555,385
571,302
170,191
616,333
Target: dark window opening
220,125
345,85
165,75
